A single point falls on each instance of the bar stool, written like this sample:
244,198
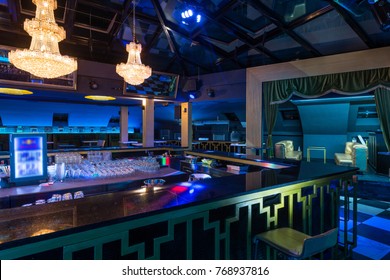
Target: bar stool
294,244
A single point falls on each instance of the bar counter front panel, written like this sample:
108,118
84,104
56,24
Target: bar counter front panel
209,219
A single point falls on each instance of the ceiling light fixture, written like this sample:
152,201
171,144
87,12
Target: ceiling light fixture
15,91
188,17
100,97
134,72
43,59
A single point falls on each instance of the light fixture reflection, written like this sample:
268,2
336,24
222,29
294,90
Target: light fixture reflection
15,91
100,97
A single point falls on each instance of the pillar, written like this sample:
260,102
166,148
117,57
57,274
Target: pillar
186,124
148,123
124,124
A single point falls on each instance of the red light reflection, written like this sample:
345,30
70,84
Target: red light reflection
179,189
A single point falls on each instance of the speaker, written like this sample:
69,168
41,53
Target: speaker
190,85
177,112
381,12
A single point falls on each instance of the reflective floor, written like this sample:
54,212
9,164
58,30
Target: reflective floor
373,218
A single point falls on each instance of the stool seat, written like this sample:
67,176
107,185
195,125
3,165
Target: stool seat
295,244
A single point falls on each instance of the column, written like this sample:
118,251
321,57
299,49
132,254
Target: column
254,121
148,123
124,124
186,124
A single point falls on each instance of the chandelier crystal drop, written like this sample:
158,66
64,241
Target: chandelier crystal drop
43,59
134,72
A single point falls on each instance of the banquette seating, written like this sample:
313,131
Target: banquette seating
355,154
285,150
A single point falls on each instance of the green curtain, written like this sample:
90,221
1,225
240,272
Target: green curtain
355,82
345,83
382,100
270,111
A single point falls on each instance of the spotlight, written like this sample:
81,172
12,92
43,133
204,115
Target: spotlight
194,94
190,16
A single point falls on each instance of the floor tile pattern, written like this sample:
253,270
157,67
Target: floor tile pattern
373,229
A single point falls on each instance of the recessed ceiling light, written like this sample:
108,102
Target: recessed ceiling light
15,91
100,97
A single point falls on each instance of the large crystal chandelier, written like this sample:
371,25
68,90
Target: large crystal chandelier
43,59
134,72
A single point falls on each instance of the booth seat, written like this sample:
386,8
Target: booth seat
285,150
355,154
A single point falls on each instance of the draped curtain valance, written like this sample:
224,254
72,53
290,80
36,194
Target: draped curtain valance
345,83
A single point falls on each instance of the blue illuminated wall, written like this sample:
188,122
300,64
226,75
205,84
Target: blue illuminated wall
40,114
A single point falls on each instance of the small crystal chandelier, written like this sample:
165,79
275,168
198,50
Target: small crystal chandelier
134,72
43,59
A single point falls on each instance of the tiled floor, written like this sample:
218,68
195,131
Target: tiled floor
373,230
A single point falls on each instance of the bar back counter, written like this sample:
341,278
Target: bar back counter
209,219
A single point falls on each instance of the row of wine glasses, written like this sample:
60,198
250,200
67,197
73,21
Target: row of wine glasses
145,164
98,156
72,157
87,169
103,169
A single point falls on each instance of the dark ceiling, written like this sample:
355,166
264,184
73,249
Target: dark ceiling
231,34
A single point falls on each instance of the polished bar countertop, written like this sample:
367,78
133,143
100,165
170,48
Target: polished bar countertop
24,224
242,159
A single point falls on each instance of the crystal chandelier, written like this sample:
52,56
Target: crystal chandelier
43,59
134,72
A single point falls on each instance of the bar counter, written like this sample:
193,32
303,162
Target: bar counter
209,219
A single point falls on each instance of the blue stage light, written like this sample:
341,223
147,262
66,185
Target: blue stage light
190,16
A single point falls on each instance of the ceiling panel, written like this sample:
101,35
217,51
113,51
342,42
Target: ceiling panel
331,34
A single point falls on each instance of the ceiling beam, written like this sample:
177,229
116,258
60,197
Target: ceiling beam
275,19
96,5
249,41
199,39
217,15
14,10
124,15
154,38
269,35
171,40
70,12
162,20
353,24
